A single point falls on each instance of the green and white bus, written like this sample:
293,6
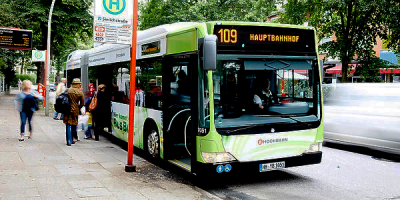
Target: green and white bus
217,97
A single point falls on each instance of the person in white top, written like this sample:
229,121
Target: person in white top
263,96
19,84
60,89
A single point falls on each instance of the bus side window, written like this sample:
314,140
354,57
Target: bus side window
148,91
180,85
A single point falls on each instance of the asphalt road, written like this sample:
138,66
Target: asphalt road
346,172
343,174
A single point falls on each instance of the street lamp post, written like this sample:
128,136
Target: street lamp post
48,58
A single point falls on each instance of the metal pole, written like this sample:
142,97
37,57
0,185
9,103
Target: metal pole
48,61
45,81
130,167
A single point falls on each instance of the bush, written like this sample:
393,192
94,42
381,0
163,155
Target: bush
31,77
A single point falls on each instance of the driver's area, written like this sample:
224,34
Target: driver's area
261,91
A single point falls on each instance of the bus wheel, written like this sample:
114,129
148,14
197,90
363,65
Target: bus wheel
153,147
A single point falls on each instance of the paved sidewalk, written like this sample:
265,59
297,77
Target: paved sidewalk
46,168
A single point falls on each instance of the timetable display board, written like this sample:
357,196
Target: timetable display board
264,38
15,39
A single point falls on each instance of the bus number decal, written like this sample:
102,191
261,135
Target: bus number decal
202,131
228,36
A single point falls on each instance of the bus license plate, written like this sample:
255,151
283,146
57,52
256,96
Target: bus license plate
272,166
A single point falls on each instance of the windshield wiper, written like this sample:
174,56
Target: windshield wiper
305,123
240,129
291,117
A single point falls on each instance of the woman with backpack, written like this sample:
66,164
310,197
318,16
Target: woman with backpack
27,103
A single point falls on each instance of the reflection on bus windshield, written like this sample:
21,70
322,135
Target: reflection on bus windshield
250,90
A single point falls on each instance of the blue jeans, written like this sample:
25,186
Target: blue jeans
26,115
70,131
88,132
56,115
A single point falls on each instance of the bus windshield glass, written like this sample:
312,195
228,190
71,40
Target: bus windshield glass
259,92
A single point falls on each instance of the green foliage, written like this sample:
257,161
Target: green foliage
355,24
71,24
9,60
158,12
391,20
31,77
369,69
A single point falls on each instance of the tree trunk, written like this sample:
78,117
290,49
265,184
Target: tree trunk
22,64
40,72
40,66
58,71
345,66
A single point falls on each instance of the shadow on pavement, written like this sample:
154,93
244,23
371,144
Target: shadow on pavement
212,182
374,153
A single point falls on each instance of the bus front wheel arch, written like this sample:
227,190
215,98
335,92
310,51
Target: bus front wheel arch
151,139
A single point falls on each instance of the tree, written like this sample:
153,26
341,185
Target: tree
369,69
71,19
391,20
356,24
158,12
9,60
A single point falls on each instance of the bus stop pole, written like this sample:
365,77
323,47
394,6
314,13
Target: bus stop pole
130,167
48,59
45,84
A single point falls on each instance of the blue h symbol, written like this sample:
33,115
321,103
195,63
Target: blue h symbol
112,2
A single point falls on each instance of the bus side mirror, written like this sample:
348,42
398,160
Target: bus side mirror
210,52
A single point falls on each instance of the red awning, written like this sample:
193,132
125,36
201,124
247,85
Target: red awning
390,71
338,69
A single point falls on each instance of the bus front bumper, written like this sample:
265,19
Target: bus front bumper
255,167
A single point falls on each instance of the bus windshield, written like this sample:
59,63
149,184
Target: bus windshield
260,92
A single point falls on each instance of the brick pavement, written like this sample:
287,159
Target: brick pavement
46,168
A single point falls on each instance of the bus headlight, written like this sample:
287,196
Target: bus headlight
217,157
314,147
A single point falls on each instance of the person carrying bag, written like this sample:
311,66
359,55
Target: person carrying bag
27,103
93,103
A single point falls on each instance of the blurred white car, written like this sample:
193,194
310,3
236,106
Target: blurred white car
366,114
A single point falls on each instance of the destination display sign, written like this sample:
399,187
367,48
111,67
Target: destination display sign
15,39
263,38
151,48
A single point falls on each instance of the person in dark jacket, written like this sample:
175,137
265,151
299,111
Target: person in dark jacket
118,96
102,113
25,104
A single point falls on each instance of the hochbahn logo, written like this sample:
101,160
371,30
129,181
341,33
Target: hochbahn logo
114,7
38,55
272,140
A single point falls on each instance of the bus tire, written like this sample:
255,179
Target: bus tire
153,143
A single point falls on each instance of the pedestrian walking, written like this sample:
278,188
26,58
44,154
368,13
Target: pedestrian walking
88,132
71,119
26,103
19,84
60,89
102,113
